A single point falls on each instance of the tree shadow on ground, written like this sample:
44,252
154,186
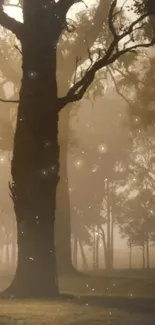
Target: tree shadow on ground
137,305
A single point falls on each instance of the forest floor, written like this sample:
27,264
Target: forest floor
114,300
135,284
71,313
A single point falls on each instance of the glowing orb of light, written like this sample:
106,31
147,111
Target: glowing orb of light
2,159
44,172
102,148
78,163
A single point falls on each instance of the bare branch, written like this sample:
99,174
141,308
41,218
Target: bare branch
11,24
17,48
89,54
112,54
8,101
110,18
131,49
76,67
117,88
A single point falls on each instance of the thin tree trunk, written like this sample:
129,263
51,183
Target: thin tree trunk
143,256
130,256
97,253
112,237
13,256
94,250
105,247
63,222
7,257
75,252
108,227
84,260
147,253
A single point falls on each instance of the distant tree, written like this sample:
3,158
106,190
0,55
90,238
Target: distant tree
137,225
137,202
35,164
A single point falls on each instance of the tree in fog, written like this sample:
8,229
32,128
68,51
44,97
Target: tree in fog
35,163
136,215
104,174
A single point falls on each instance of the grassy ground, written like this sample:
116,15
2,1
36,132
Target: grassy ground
117,285
134,285
115,300
65,313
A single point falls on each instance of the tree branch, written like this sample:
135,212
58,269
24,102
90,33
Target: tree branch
78,48
112,54
8,101
117,88
110,18
11,24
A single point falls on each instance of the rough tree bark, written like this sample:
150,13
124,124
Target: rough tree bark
79,48
35,164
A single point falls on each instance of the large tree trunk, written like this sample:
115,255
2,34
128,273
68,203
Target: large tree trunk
62,225
35,164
